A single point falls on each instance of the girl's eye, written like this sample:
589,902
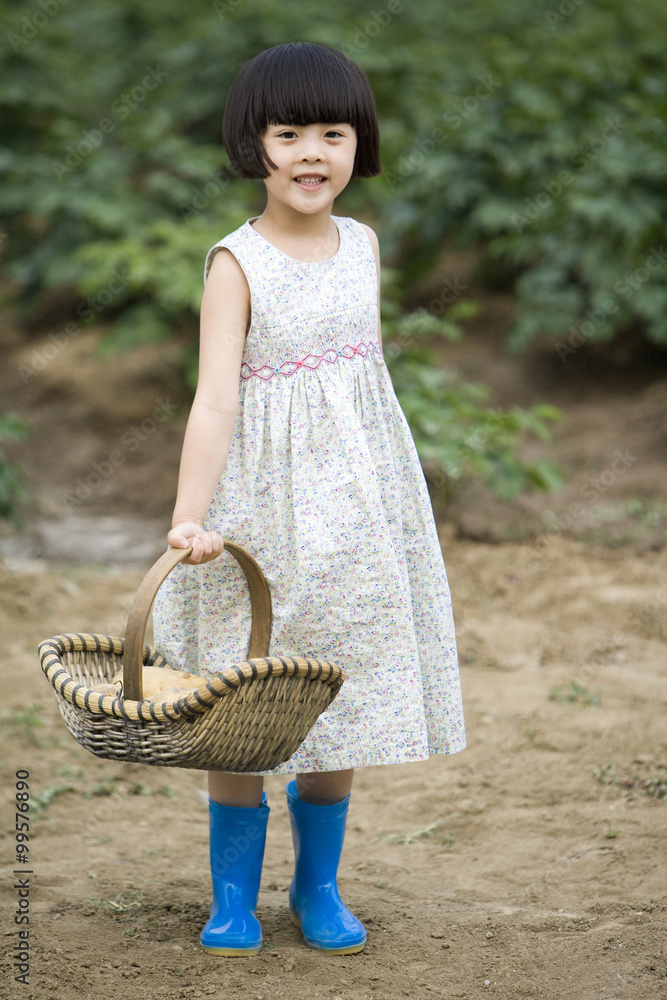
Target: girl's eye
290,132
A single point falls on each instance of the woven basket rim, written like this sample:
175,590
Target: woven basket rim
211,690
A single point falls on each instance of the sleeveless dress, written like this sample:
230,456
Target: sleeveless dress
324,487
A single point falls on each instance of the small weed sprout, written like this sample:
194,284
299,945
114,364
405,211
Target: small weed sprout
42,800
576,695
655,785
414,836
605,775
610,834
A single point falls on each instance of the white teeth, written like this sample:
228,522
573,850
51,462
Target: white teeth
303,180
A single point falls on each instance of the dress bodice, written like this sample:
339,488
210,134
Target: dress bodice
305,312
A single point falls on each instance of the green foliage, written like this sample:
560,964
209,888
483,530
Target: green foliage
23,723
575,694
606,775
456,435
654,784
44,798
545,149
533,131
12,491
610,833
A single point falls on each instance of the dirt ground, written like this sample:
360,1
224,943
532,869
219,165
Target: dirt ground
531,865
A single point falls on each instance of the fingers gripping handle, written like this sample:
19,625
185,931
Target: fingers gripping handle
260,604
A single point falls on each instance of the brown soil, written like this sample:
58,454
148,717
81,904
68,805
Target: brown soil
529,866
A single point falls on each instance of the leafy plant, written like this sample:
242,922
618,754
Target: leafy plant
12,490
605,775
42,800
115,180
115,785
456,435
555,177
655,785
575,694
24,723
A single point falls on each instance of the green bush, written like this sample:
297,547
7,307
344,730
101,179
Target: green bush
546,149
459,438
532,131
12,490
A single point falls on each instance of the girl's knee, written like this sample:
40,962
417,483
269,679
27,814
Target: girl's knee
324,788
243,790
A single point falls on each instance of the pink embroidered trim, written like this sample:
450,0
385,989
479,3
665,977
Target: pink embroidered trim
290,367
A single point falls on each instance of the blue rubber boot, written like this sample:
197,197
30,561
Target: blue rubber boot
317,834
237,839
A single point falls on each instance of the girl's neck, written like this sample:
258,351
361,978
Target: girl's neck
305,237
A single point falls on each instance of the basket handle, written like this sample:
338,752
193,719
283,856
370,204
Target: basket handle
260,606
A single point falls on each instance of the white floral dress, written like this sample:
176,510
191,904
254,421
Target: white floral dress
324,488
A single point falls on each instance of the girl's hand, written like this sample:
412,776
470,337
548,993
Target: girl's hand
206,545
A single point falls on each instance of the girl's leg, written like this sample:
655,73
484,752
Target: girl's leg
238,814
324,788
235,789
317,804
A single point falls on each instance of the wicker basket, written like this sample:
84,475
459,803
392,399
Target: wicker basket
250,717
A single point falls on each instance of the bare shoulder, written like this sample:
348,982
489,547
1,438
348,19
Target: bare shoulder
225,270
226,297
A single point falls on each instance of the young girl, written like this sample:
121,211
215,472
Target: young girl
297,449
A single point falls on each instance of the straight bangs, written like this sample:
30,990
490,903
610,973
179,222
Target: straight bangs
300,83
305,91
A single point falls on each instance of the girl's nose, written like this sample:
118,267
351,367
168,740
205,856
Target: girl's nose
311,149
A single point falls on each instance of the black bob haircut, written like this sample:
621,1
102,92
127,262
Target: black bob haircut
300,83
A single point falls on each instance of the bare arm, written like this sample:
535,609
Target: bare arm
225,311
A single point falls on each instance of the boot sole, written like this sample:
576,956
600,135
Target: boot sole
233,952
350,950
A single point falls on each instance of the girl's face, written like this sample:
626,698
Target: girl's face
314,162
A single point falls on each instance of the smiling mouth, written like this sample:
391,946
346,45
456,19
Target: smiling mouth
310,181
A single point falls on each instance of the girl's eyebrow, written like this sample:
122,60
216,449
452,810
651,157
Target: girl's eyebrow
327,125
